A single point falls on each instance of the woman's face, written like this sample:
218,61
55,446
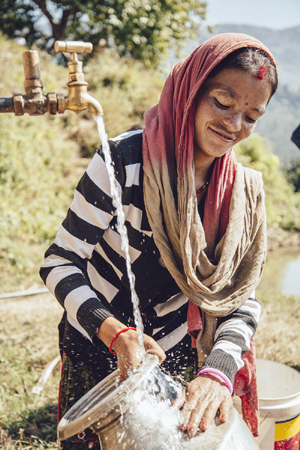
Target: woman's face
227,110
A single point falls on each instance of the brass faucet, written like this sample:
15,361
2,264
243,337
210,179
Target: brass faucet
35,103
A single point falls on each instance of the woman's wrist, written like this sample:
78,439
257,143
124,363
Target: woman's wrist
219,375
108,329
124,330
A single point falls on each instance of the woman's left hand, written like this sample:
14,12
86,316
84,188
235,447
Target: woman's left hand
204,396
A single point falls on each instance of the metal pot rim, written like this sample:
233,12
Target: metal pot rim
92,408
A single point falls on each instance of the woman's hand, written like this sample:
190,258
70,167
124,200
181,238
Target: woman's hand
127,346
204,396
129,353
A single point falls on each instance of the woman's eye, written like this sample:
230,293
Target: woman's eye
220,105
250,120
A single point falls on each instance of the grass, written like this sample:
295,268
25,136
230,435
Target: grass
277,336
28,334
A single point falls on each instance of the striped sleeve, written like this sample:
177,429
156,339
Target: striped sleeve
232,338
66,261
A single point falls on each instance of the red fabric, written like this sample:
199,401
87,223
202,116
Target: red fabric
288,444
217,201
194,322
59,417
245,386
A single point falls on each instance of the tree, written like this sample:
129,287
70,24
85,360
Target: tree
143,29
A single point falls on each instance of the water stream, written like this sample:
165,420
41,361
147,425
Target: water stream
149,409
117,202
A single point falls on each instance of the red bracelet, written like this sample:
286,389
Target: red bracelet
115,337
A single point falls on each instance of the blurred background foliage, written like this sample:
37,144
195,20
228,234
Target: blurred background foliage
144,30
42,158
282,202
292,172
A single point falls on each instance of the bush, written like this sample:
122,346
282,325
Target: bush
292,173
282,203
34,180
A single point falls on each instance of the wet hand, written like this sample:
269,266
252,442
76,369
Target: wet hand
204,396
127,346
129,352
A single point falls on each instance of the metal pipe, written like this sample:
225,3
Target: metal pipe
6,105
35,103
32,73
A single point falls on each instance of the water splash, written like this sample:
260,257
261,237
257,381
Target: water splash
117,202
150,422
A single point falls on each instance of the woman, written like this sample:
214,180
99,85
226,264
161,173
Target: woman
197,236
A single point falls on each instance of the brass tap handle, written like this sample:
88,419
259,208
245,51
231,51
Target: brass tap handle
73,47
75,66
78,99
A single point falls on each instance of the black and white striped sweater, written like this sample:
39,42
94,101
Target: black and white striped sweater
85,269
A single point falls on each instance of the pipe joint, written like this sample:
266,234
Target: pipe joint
35,103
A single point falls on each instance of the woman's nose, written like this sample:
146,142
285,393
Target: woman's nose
233,121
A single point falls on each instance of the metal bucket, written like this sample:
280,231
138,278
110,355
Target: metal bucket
137,415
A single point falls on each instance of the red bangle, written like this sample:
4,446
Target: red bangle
115,337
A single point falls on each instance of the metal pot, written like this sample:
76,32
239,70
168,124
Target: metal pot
137,415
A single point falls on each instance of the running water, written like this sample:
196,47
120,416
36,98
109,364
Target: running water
148,410
117,202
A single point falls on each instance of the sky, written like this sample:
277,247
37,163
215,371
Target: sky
276,14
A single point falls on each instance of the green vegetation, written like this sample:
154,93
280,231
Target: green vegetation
282,203
142,29
281,119
293,173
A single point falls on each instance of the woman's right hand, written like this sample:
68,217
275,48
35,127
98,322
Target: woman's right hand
129,353
127,346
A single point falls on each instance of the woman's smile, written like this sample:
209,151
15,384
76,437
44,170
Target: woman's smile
228,108
222,135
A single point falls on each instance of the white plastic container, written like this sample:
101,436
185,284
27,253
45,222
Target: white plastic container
279,399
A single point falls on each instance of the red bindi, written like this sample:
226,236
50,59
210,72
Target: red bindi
261,72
